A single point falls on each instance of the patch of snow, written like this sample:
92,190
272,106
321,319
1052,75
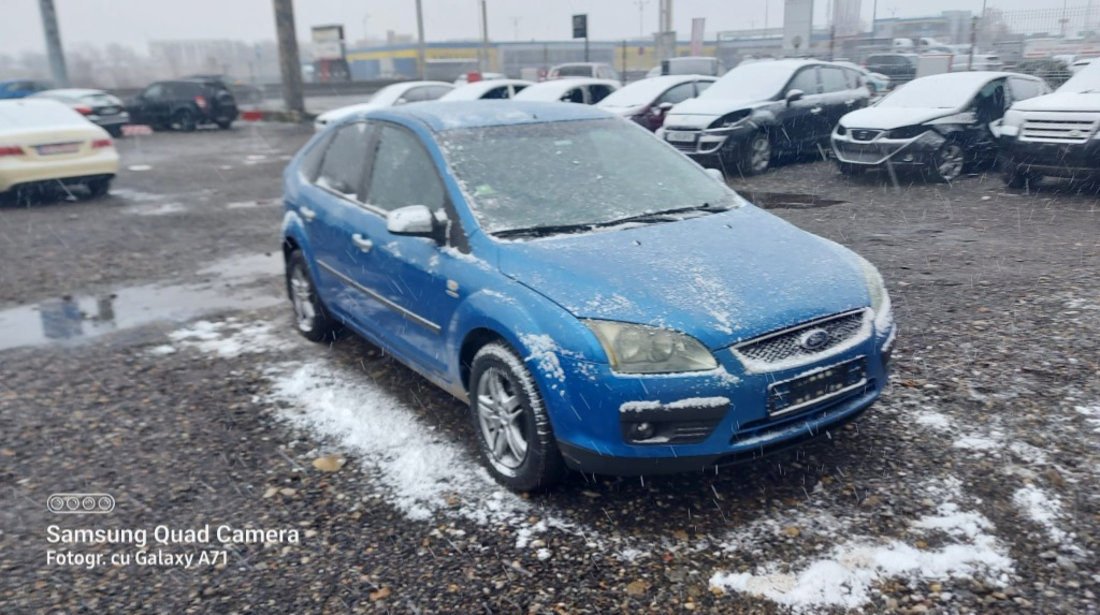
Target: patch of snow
253,204
933,419
544,350
163,209
230,338
140,167
1092,414
680,404
543,554
980,443
163,349
1044,510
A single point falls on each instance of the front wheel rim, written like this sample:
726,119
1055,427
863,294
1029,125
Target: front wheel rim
950,162
761,154
500,415
301,295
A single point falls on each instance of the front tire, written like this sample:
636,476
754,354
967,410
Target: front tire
514,433
310,316
757,155
184,121
948,161
225,124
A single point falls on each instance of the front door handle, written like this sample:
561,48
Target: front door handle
850,102
307,214
815,110
363,243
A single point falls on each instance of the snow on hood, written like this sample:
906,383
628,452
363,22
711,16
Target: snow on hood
886,118
1062,101
720,278
696,111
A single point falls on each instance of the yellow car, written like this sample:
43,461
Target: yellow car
45,144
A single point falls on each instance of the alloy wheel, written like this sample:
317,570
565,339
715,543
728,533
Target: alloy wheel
500,415
301,296
949,163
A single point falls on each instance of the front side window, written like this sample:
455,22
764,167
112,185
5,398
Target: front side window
154,92
496,93
342,167
805,80
403,173
677,94
833,79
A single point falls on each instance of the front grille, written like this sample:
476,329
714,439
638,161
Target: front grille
1059,130
684,147
791,345
862,134
859,152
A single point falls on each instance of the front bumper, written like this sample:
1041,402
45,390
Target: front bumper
707,143
110,121
875,149
696,421
1056,159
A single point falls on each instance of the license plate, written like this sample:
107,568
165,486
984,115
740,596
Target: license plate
799,393
58,148
109,111
680,137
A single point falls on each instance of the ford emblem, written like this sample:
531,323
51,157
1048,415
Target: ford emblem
814,340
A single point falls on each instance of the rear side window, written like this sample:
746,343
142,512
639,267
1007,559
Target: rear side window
701,86
342,168
575,95
496,93
597,93
403,173
676,94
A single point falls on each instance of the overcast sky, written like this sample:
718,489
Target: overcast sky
135,22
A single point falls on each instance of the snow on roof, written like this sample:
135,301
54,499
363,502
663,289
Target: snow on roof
477,89
553,90
479,113
645,91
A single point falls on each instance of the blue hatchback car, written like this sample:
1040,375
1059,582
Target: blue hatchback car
602,302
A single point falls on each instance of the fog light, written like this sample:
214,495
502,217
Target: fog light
641,431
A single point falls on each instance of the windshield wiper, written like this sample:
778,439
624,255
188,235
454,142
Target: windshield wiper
662,216
562,229
541,231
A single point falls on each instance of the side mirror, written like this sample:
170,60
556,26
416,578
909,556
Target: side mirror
665,107
400,101
794,95
417,221
716,174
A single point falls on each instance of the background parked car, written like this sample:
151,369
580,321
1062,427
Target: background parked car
101,108
877,83
899,67
487,90
688,65
1057,134
389,96
19,88
1080,64
581,90
732,332
1052,70
184,105
464,78
243,93
762,109
941,123
647,101
44,144
594,70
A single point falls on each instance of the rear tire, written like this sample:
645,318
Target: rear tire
225,124
98,187
312,319
514,433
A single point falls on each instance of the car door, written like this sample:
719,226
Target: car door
801,121
330,207
152,107
842,94
418,280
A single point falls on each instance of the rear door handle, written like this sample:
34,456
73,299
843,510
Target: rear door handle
850,102
363,243
815,110
307,213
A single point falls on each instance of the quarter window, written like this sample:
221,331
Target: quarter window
342,168
1022,89
403,174
677,94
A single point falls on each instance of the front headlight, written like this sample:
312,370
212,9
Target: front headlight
1012,118
880,299
640,349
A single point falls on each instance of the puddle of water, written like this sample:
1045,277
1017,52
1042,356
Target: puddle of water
253,204
163,209
140,167
789,200
70,319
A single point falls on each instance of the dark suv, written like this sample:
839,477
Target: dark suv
899,67
184,105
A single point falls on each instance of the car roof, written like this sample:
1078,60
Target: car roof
74,92
478,88
440,116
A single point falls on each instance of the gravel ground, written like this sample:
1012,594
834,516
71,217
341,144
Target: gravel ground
969,488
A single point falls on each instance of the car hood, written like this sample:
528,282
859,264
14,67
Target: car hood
720,278
701,112
1061,101
885,118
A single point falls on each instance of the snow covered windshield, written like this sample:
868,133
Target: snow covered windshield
756,81
558,175
1086,80
947,91
638,93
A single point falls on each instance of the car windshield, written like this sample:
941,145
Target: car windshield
577,70
564,174
948,91
756,81
389,94
1086,80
